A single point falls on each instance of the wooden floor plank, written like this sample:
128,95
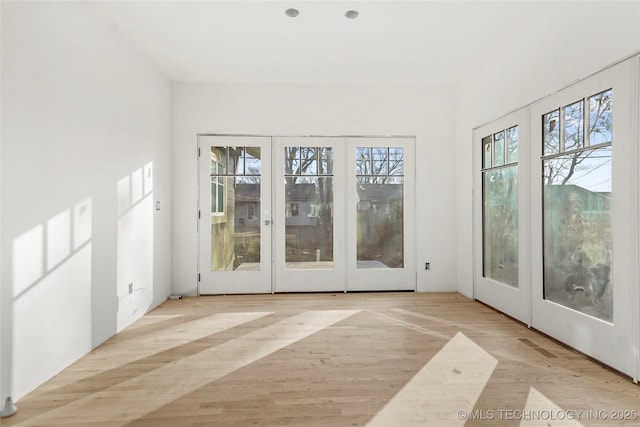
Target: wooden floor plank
277,364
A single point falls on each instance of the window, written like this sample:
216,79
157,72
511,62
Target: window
308,176
235,191
577,234
500,206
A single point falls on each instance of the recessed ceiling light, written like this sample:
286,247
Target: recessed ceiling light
352,14
292,13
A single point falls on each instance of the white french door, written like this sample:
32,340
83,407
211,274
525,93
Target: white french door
309,222
306,214
501,216
584,217
381,214
234,224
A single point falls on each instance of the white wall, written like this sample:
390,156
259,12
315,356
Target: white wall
577,39
82,113
322,110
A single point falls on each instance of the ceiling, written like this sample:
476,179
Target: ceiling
408,42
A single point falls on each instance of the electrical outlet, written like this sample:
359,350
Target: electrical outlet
130,288
427,266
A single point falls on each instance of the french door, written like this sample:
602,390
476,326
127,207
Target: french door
310,214
381,214
501,217
305,214
584,217
234,223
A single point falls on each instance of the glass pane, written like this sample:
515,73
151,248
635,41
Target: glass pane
236,160
246,236
309,161
574,126
221,225
309,223
551,132
214,195
396,161
326,161
500,225
498,147
220,198
396,153
253,165
380,161
380,222
380,167
486,144
240,162
577,232
363,161
600,118
512,145
292,160
235,209
218,159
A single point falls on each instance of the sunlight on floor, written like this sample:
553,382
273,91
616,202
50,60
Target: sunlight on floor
122,403
449,383
541,411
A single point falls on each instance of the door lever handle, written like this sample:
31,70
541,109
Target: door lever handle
267,222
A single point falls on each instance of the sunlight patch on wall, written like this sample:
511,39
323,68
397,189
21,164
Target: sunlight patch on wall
28,259
148,178
51,296
124,195
134,285
58,238
81,223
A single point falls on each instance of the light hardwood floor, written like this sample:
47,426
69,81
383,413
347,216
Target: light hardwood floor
385,359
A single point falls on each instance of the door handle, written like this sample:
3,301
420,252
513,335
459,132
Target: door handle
267,222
